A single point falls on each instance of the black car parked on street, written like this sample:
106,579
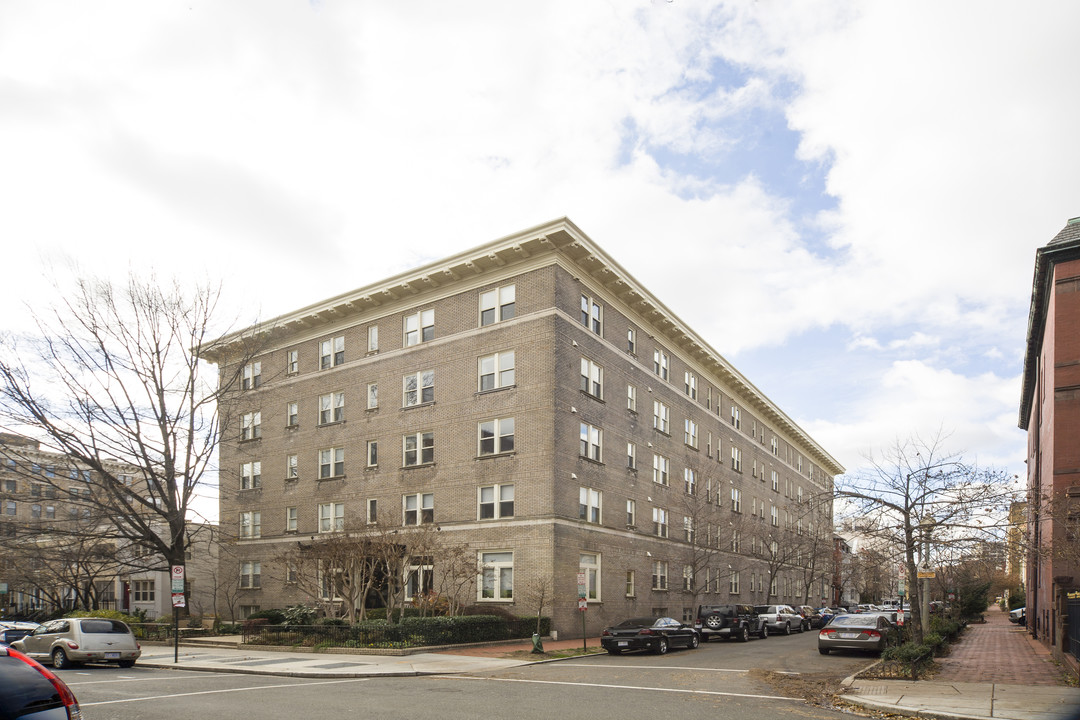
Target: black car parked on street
730,621
656,634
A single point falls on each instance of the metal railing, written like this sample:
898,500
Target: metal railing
411,632
163,631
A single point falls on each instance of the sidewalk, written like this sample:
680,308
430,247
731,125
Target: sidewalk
996,671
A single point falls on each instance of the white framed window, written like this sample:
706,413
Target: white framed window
690,384
688,528
689,481
631,456
418,449
418,388
659,575
496,575
736,541
661,363
331,352
290,519
660,522
690,433
373,338
419,578
736,417
495,501
733,582
736,459
661,469
631,398
418,509
250,525
592,378
630,584
772,587
775,481
292,362
251,426
774,516
589,563
331,517
592,315
419,327
591,442
331,463
631,340
372,453
661,417
292,414
589,502
142,591
252,376
688,578
372,396
631,513
495,436
774,446
736,500
331,408
497,305
496,371
251,475
372,511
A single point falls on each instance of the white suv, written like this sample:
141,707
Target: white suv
780,618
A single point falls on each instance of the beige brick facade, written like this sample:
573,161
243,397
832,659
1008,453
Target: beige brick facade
551,269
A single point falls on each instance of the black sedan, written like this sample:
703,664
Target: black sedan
29,690
656,634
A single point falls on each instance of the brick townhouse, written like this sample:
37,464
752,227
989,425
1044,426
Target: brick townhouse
530,398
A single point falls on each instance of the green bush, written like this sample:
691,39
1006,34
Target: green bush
299,615
338,622
1017,600
272,617
909,652
112,615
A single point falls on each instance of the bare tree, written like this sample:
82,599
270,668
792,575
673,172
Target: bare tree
115,381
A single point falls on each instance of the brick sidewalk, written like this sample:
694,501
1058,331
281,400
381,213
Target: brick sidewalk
999,652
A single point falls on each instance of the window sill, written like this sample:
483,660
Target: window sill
662,432
429,403
488,456
330,424
589,395
292,479
244,441
505,601
332,477
416,467
590,460
248,491
497,389
294,426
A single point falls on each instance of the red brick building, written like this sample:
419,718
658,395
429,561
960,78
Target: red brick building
1050,412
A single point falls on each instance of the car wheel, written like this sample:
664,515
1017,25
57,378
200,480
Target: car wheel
823,651
693,641
713,622
744,634
764,632
787,628
661,647
614,651
127,663
60,660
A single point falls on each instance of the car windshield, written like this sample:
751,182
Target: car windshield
103,627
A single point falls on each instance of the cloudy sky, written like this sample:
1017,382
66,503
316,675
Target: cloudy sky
843,198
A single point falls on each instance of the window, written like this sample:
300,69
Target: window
660,469
292,362
736,500
331,517
659,575
631,456
419,388
690,433
419,578
35,511
592,378
496,501
331,352
246,610
688,578
331,463
9,486
690,384
774,447
689,481
142,591
591,442
372,453
496,371
660,522
631,513
589,563
372,396
419,449
419,327
661,416
775,481
736,417
660,363
774,516
592,315
631,340
290,519
35,489
733,583
250,525
736,541
251,475
251,426
418,509
372,510
631,398
497,576
292,414
9,507
629,583
497,305
736,459
589,505
291,573
331,408
292,470
688,528
252,376
250,575
373,338
496,436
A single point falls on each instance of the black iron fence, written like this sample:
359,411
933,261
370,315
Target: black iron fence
1073,610
410,632
162,631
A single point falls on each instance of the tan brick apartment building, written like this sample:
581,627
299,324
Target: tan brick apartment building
531,398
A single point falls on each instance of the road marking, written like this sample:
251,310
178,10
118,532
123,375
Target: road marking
651,667
147,677
627,687
214,692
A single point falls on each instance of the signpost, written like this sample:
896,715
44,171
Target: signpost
583,606
177,576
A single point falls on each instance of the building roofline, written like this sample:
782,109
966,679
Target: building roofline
558,237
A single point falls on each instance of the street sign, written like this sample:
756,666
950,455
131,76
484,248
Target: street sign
177,586
582,604
926,575
177,572
903,570
178,600
582,590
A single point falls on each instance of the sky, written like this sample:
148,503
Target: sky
842,198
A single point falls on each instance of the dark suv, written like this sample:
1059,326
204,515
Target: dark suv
729,621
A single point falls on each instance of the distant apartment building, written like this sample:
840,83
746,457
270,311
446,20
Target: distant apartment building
1050,412
530,399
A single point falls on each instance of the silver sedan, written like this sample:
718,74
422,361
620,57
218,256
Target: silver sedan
854,632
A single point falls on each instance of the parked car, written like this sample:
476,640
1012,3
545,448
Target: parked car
12,630
729,621
780,618
70,641
656,634
811,617
29,691
1018,616
863,631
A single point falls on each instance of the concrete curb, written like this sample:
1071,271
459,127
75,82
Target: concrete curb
289,673
910,711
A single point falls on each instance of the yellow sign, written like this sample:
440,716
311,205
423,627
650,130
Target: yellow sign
926,575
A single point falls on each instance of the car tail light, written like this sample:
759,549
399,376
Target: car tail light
606,632
828,633
646,631
66,696
72,644
873,633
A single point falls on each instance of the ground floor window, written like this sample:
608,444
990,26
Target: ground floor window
142,591
497,576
